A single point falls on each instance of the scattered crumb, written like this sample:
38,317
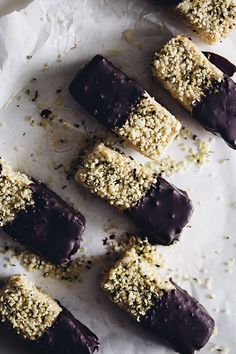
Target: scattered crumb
204,270
226,311
224,161
75,46
199,154
60,58
215,332
208,283
45,67
230,265
128,35
220,198
49,18
70,271
111,53
227,237
36,94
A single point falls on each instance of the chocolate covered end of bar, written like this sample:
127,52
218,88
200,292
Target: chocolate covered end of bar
221,63
50,227
216,111
105,92
68,336
162,213
180,320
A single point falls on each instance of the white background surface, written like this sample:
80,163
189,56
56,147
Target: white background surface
97,26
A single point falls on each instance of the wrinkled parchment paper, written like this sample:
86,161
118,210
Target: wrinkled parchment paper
42,47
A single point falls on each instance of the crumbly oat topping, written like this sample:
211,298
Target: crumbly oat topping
71,271
27,309
211,19
15,193
184,71
150,127
115,177
133,283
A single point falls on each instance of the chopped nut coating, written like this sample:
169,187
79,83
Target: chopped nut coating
15,193
114,177
27,309
133,283
212,20
184,71
150,127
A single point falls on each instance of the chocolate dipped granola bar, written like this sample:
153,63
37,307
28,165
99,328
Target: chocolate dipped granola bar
37,217
211,20
136,285
158,208
204,90
41,321
124,107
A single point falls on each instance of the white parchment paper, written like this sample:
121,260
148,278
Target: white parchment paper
49,41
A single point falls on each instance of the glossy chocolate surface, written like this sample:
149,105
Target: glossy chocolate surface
222,63
217,111
105,92
50,227
180,320
67,336
162,213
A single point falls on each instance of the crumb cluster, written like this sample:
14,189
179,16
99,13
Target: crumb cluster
15,193
211,19
133,283
150,127
185,71
115,177
199,154
27,309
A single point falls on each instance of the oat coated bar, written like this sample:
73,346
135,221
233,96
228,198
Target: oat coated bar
199,86
156,302
38,218
41,321
160,209
211,20
124,107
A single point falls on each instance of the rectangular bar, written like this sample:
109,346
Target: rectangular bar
124,107
158,208
156,302
202,89
37,217
41,321
212,20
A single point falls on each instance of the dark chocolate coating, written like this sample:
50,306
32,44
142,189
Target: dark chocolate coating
162,213
180,320
222,63
67,336
217,111
50,227
105,92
